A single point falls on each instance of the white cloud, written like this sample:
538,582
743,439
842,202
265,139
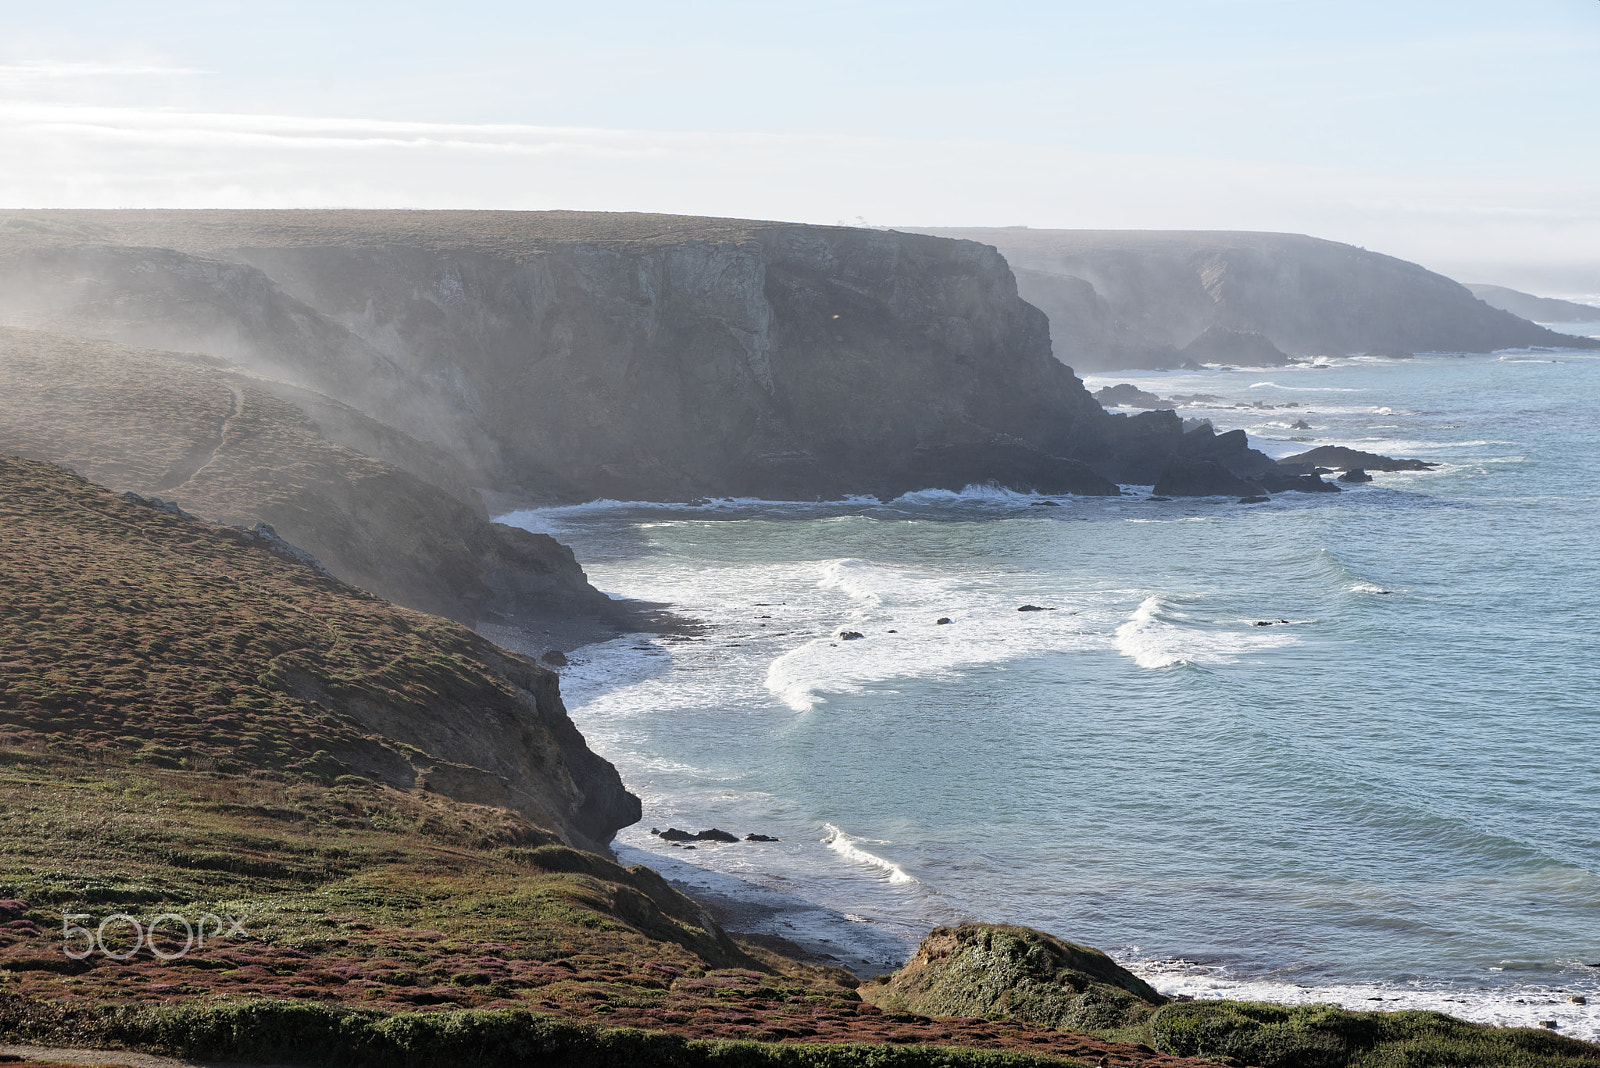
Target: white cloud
35,72
79,156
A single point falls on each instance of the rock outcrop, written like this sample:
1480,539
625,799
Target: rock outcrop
563,355
1017,973
1121,299
1128,395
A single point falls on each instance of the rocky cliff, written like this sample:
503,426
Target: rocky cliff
564,355
1121,299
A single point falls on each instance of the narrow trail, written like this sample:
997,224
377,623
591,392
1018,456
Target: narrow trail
204,460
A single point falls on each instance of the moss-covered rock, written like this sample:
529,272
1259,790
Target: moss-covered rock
1016,973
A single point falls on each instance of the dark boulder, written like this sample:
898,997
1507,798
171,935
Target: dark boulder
850,635
555,658
942,620
1201,478
672,834
761,838
1033,608
1281,481
1355,474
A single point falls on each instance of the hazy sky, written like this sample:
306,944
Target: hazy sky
1464,135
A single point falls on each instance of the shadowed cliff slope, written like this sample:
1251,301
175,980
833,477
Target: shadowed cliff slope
240,449
1136,298
569,355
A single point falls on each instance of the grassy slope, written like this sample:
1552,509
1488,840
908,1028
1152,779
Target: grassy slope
158,751
225,445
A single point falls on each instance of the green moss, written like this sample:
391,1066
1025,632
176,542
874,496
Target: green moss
1016,973
314,1035
1326,1036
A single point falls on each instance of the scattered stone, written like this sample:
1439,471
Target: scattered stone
673,834
850,635
1033,608
1270,622
1299,424
555,658
761,838
1551,1024
942,620
1577,999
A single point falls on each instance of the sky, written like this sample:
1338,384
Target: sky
1464,135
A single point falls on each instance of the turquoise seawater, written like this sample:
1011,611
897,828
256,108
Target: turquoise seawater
1392,791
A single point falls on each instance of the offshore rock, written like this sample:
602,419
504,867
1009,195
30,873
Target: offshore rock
1218,344
1018,973
1202,478
1339,458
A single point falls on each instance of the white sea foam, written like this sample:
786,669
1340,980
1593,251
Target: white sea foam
1367,587
895,607
1526,1007
1158,635
1308,389
844,845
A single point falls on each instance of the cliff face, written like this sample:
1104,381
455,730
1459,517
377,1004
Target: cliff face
1133,298
570,355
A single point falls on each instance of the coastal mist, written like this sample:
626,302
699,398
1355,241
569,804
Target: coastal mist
1327,747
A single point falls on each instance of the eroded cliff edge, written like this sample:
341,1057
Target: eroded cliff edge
565,356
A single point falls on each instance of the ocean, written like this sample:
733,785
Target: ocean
1332,747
